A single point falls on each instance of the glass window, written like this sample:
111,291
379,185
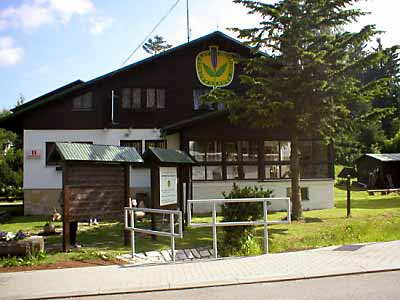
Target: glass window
214,151
231,151
305,150
155,98
49,147
285,150
87,101
197,150
321,170
285,171
249,150
199,173
214,172
319,151
271,150
156,144
242,172
314,171
272,172
136,98
137,144
126,98
250,172
83,102
131,98
197,103
246,151
150,98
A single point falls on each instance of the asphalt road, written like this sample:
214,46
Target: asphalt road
379,286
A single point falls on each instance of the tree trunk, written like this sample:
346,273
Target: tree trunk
297,207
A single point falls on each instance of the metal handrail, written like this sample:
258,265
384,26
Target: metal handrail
129,214
214,224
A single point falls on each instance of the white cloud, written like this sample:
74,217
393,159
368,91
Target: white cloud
27,16
99,24
9,53
66,9
33,14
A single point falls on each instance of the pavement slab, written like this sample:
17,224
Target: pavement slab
337,260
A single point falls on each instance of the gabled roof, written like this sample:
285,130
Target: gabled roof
168,156
346,171
96,153
76,85
52,93
384,157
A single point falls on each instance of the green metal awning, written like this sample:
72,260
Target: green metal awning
169,156
97,153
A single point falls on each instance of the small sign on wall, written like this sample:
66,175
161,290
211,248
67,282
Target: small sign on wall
168,186
33,154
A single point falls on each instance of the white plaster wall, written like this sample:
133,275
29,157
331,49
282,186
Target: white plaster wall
39,176
320,192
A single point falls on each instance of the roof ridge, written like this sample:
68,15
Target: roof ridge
34,103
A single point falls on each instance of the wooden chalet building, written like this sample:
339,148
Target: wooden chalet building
156,103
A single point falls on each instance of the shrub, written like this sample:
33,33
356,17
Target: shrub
239,240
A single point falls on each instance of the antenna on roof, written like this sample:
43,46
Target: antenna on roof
187,21
151,32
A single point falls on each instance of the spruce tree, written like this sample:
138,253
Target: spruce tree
156,45
308,75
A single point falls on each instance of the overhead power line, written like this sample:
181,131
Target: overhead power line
151,32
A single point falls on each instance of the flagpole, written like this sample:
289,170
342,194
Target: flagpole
187,21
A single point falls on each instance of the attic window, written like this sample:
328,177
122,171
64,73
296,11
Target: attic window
131,98
199,105
155,98
83,102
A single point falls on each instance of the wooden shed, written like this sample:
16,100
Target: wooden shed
379,170
95,181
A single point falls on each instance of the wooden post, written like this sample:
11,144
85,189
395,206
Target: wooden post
348,196
155,196
66,195
127,234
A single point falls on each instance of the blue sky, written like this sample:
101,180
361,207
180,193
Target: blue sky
45,44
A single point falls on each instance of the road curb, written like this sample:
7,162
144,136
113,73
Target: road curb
214,284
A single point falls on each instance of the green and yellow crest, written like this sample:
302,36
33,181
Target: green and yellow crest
215,68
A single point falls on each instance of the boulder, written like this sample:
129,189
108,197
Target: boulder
31,245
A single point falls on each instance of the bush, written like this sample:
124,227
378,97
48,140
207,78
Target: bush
239,240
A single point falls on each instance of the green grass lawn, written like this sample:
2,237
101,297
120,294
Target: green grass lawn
373,218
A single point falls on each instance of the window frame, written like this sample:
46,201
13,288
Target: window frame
261,162
140,142
143,92
156,99
146,142
81,102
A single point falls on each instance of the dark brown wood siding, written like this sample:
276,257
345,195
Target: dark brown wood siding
175,72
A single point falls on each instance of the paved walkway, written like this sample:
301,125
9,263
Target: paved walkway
165,256
273,267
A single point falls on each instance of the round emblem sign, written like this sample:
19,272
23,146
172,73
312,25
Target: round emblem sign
215,68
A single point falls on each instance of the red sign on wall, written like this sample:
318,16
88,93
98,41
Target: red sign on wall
33,154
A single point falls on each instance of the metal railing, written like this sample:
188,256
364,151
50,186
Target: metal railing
130,216
214,224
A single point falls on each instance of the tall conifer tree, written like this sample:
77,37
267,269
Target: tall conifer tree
308,76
